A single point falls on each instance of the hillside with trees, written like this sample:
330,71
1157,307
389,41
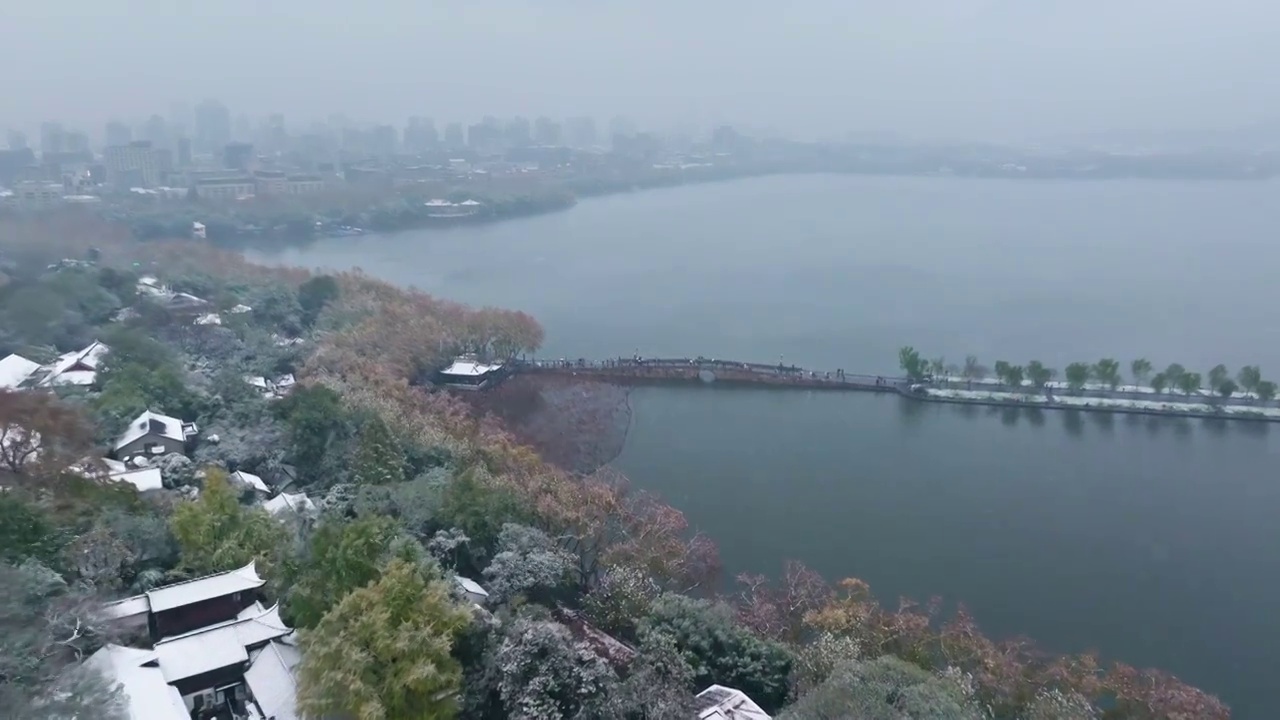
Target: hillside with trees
602,601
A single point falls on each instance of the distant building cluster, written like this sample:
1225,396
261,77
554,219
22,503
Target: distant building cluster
205,153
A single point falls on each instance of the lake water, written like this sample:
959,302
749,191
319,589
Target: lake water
1153,541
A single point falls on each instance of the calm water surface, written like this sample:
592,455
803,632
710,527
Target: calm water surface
1155,542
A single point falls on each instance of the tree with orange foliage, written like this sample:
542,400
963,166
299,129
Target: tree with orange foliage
603,524
41,434
1011,678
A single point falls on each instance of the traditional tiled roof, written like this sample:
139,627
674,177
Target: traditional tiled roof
14,369
724,703
205,588
218,646
463,367
146,694
76,368
251,480
270,678
297,502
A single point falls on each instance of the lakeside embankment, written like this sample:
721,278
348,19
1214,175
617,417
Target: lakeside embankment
1134,400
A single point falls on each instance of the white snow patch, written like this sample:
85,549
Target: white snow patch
1095,402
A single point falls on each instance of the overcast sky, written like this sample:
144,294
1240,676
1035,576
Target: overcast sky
992,69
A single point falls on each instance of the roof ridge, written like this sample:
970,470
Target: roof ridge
250,566
228,623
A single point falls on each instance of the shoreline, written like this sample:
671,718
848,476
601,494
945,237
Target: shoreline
578,194
732,374
1112,410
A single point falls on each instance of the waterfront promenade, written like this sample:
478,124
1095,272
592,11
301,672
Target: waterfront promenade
713,371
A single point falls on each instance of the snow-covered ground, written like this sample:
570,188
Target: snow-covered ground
1117,403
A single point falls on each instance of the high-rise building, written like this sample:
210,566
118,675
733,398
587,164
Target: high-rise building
137,164
454,136
384,139
17,140
242,129
76,142
274,137
484,136
581,132
237,156
52,138
352,140
117,133
184,152
16,163
213,126
421,135
156,131
180,118
518,132
620,125
546,131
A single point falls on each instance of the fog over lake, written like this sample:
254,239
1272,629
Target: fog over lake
1151,540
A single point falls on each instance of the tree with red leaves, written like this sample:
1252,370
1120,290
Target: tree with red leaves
778,610
41,434
1154,695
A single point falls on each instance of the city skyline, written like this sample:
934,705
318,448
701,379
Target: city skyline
976,69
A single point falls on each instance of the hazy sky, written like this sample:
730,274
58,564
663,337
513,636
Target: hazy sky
976,68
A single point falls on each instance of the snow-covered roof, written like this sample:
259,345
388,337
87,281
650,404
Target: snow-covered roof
205,652
437,202
471,586
251,480
285,381
469,368
113,466
469,203
76,368
209,319
257,381
143,479
252,611
152,423
270,678
218,646
724,703
186,299
298,502
240,309
14,369
147,696
128,607
205,588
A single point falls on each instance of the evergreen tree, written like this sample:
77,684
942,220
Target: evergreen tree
216,533
384,651
379,459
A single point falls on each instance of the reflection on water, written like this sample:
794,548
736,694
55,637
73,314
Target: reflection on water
1074,421
1043,526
